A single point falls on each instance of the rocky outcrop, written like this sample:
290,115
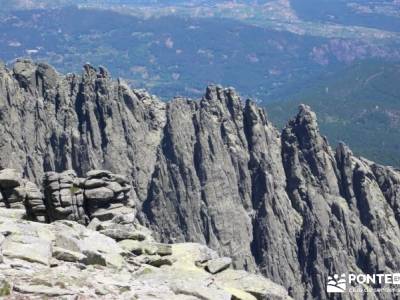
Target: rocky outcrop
19,193
348,220
65,260
213,171
102,195
63,197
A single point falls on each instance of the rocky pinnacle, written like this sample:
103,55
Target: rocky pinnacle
213,171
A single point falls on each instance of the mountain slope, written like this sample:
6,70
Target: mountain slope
213,171
359,105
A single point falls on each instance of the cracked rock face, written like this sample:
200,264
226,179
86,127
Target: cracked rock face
18,193
213,171
65,260
101,195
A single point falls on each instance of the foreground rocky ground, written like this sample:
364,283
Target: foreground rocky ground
66,260
94,247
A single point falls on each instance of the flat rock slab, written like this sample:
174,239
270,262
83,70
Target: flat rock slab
98,173
12,213
219,264
39,251
10,178
99,194
120,234
256,285
149,248
42,290
94,183
67,255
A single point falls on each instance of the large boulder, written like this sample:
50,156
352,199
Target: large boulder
256,285
99,195
19,193
26,241
63,197
219,264
9,178
102,195
28,248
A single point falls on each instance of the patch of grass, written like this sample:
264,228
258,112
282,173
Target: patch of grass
5,288
74,189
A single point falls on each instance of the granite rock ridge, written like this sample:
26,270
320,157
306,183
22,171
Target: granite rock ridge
112,257
213,171
102,195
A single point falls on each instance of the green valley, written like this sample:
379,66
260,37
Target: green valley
359,105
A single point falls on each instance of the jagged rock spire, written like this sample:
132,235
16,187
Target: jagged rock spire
213,171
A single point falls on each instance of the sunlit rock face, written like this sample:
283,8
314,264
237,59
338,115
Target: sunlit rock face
213,171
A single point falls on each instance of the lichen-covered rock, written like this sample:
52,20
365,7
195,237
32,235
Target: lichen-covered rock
26,247
5,287
67,260
219,264
67,255
256,285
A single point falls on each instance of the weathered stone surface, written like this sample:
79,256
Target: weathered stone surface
94,258
146,247
94,224
213,171
219,264
67,241
9,178
94,183
87,265
119,234
190,254
99,194
256,285
13,213
42,290
109,211
18,193
34,202
27,247
135,247
98,174
163,249
67,255
97,248
158,261
5,287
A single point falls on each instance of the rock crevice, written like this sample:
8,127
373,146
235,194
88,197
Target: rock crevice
213,171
